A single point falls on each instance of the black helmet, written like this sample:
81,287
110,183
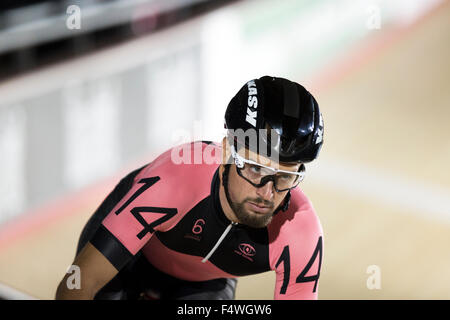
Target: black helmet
284,106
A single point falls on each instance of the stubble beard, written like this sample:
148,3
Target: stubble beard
251,219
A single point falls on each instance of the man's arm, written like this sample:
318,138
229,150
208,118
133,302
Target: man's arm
95,272
298,271
296,252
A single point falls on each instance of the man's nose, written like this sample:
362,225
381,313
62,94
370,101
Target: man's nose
266,191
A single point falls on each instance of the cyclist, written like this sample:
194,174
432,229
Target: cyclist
188,229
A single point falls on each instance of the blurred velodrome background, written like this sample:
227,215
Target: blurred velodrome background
84,101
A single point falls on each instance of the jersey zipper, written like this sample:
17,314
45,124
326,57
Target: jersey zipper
219,241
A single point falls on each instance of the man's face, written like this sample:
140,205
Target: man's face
255,206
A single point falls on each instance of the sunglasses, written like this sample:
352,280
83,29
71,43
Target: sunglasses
258,175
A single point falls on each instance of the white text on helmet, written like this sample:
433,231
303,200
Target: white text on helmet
252,103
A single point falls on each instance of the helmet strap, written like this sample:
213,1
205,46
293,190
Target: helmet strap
225,173
287,201
225,176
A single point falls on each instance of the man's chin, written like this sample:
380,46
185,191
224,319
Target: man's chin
256,219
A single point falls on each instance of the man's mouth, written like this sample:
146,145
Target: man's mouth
258,207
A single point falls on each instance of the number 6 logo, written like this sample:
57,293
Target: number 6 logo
198,226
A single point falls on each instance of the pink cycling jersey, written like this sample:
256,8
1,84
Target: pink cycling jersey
172,214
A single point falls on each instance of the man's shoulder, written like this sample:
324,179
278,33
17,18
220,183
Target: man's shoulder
186,167
301,217
295,238
164,185
301,204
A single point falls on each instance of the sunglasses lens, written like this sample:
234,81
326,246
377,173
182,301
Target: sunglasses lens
255,174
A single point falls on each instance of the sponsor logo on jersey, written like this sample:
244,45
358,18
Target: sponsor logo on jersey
246,251
252,103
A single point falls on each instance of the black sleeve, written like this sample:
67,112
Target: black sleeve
111,248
